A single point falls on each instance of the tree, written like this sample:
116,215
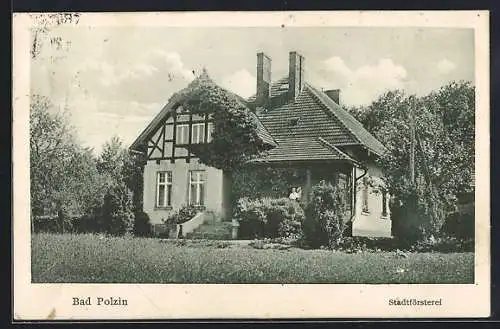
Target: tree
445,135
63,176
117,211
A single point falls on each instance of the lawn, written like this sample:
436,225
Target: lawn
97,259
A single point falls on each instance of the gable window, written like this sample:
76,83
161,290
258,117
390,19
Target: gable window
210,131
198,133
365,195
182,134
197,187
164,189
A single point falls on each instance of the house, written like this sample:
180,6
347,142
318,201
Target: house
306,128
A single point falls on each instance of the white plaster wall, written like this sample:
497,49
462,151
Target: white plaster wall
371,224
180,180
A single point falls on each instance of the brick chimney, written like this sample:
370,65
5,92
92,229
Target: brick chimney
263,95
334,94
295,75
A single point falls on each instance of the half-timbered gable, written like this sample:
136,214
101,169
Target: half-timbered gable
174,135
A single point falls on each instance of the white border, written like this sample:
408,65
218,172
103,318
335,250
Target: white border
148,301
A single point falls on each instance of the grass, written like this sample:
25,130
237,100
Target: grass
97,259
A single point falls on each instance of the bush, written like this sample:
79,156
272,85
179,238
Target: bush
53,224
117,215
326,216
268,217
182,215
142,225
417,214
444,245
358,243
460,225
88,223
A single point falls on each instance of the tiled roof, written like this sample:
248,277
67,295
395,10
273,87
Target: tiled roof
306,117
354,126
300,149
318,116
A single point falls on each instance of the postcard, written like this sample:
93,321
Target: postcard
251,165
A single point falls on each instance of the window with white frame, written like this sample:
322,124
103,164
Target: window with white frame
210,131
197,187
164,189
198,133
182,134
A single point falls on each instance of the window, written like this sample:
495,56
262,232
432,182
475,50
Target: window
164,189
384,204
198,134
182,135
197,187
210,131
365,195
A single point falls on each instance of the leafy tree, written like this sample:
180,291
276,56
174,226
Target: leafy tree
113,164
64,179
444,122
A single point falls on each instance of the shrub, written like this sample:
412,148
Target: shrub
326,216
268,217
459,225
444,245
142,226
354,244
417,214
182,215
88,223
53,224
117,215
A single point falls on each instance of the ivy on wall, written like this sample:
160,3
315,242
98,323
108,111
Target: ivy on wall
235,139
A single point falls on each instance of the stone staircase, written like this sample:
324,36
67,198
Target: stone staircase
212,229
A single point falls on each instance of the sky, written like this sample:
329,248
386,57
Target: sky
114,80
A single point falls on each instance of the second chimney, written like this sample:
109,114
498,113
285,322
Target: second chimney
295,75
334,94
263,94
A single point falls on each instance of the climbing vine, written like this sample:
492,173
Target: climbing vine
235,138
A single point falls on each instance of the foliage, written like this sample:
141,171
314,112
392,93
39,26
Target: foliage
445,130
116,168
91,258
444,245
63,176
52,224
326,216
235,139
460,225
262,181
182,215
117,215
268,217
142,223
439,244
419,214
